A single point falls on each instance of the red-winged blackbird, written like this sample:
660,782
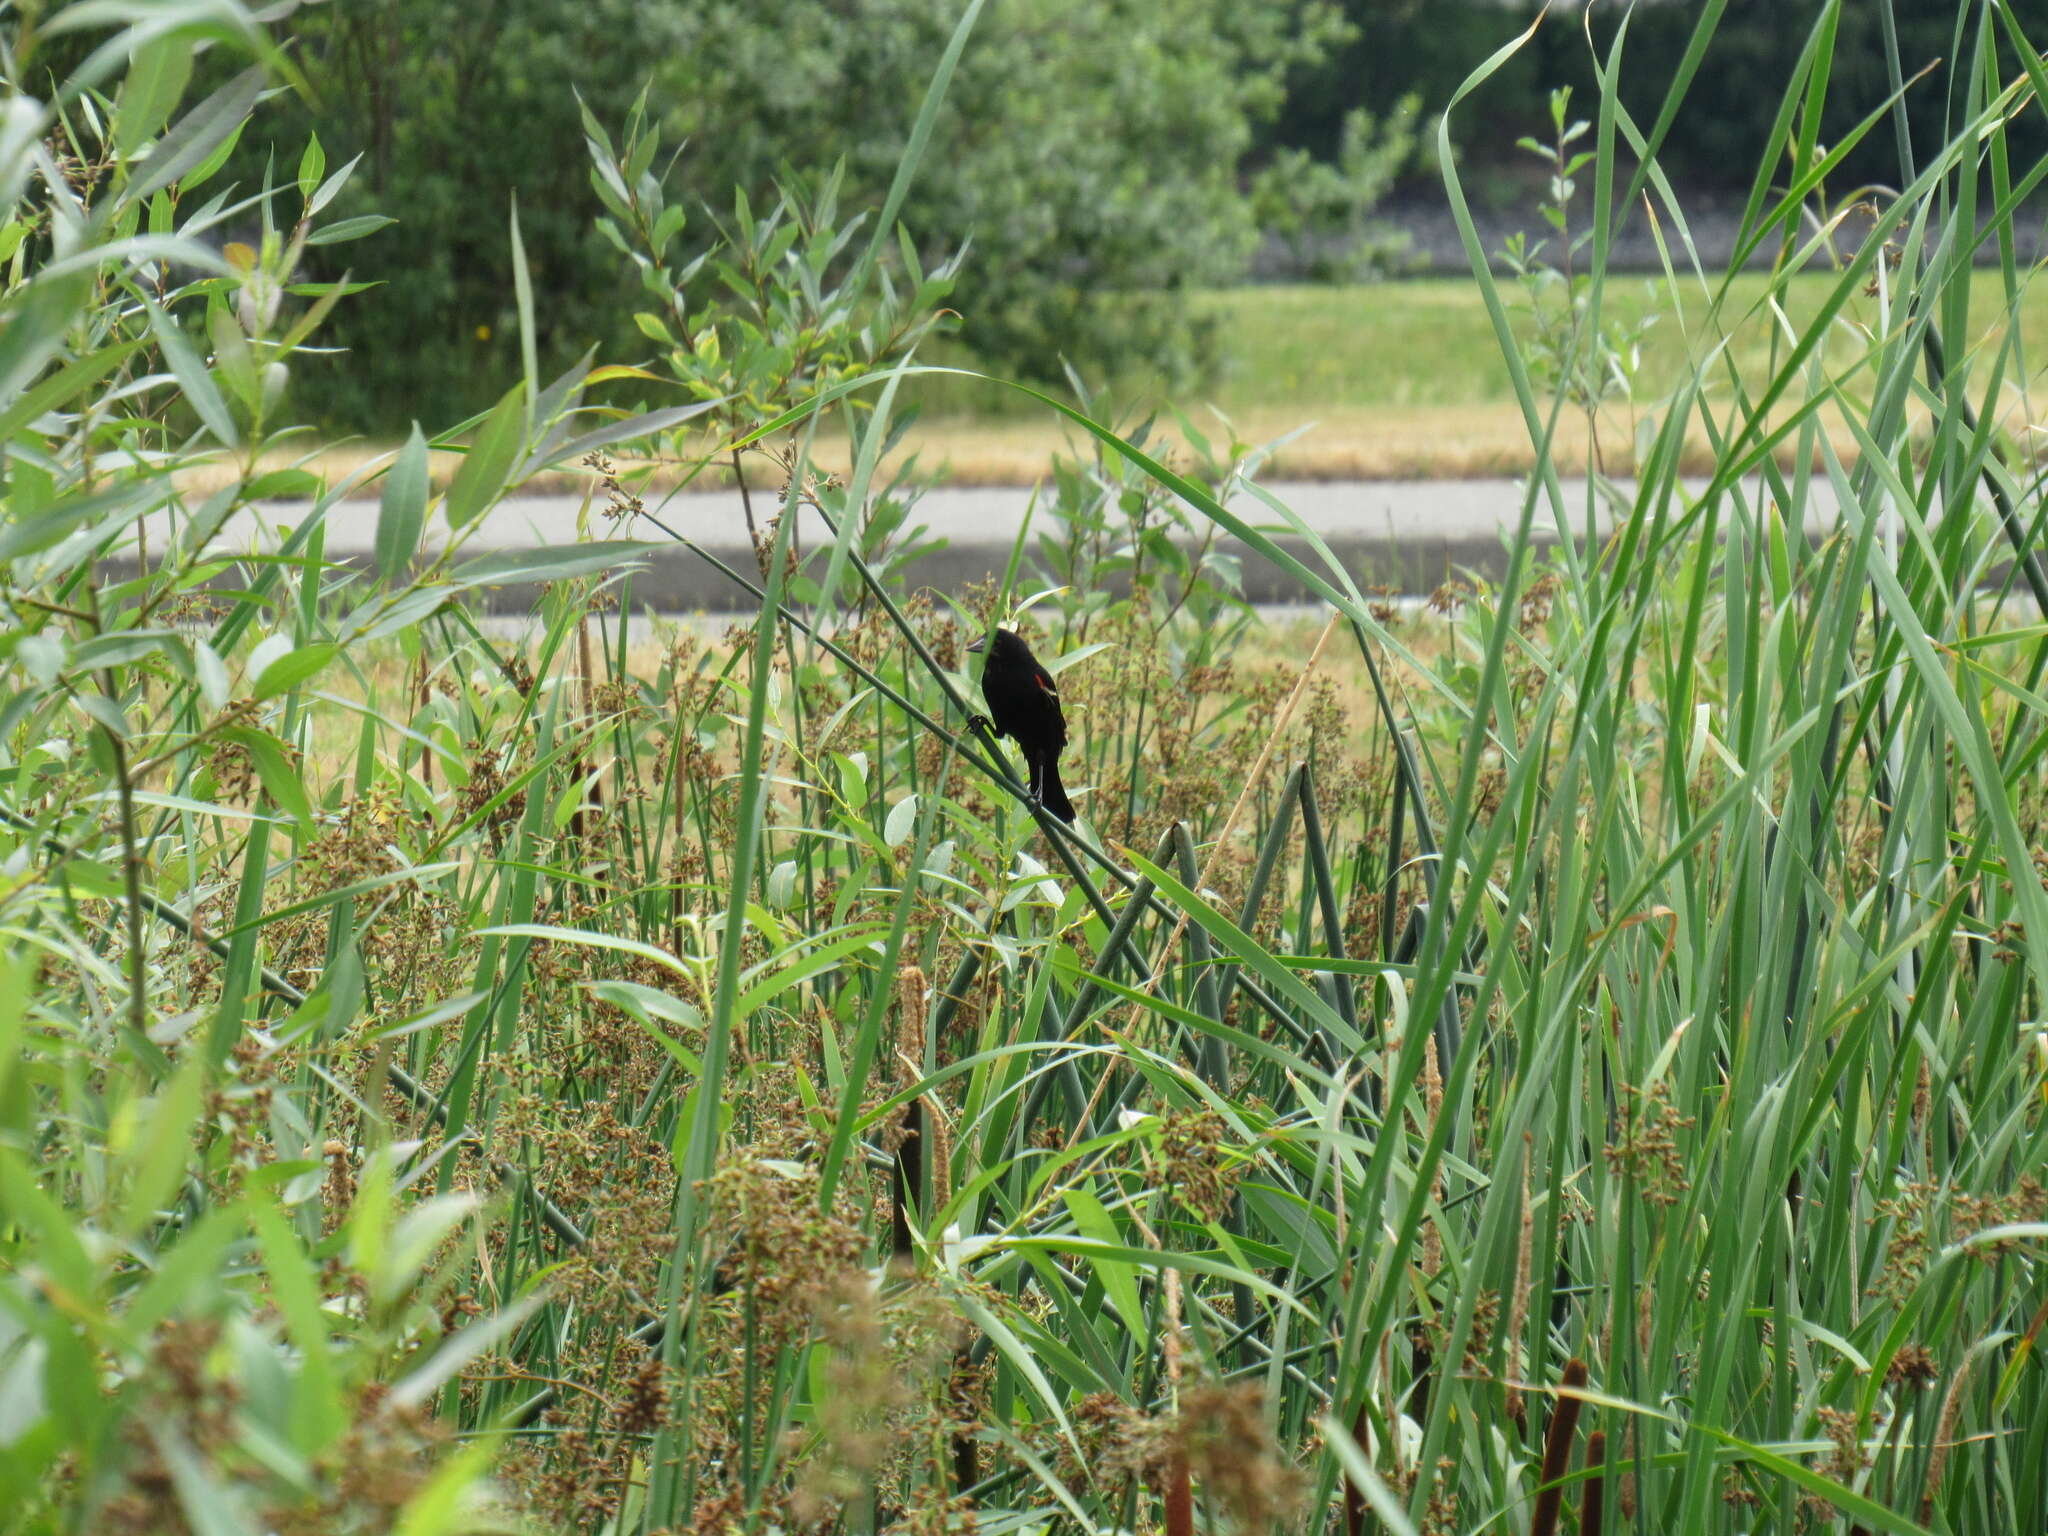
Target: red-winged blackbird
1024,705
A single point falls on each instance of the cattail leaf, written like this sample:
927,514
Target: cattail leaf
522,291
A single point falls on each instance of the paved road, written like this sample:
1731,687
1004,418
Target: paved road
1407,534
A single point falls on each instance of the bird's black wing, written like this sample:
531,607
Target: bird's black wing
1051,691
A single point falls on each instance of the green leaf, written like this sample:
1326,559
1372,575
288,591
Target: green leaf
91,878
198,135
205,169
331,188
233,362
312,166
402,515
902,820
384,615
318,1414
799,963
292,669
1021,1360
14,980
185,1275
30,534
489,461
438,1013
104,710
415,1388
185,365
280,780
646,1003
56,391
154,1162
522,289
349,229
153,86
211,1507
444,1506
1119,1280
59,1252
119,649
553,934
412,1241
1360,1471
530,565
1194,1263
285,485
628,430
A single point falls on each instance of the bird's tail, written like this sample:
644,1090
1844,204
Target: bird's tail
1045,774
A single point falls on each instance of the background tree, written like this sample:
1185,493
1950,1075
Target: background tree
1399,47
1089,152
1323,209
457,109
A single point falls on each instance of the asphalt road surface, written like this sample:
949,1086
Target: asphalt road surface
1408,535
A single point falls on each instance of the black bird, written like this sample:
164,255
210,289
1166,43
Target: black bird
1024,705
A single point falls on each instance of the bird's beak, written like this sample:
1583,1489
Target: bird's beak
975,649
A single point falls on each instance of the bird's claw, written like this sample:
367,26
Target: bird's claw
984,723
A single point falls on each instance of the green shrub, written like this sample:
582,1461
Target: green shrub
1323,209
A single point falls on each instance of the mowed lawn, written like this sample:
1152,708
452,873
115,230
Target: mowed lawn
1429,342
1406,379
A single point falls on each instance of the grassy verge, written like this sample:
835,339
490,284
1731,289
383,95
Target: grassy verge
1405,380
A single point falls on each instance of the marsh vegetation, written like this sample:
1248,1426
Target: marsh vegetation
1566,1054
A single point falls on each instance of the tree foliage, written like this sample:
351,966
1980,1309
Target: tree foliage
1088,154
1090,150
456,109
1323,209
1402,47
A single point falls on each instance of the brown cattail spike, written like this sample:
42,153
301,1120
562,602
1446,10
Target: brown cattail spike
966,1464
1354,1501
1593,1511
1180,1498
1557,1451
908,1183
